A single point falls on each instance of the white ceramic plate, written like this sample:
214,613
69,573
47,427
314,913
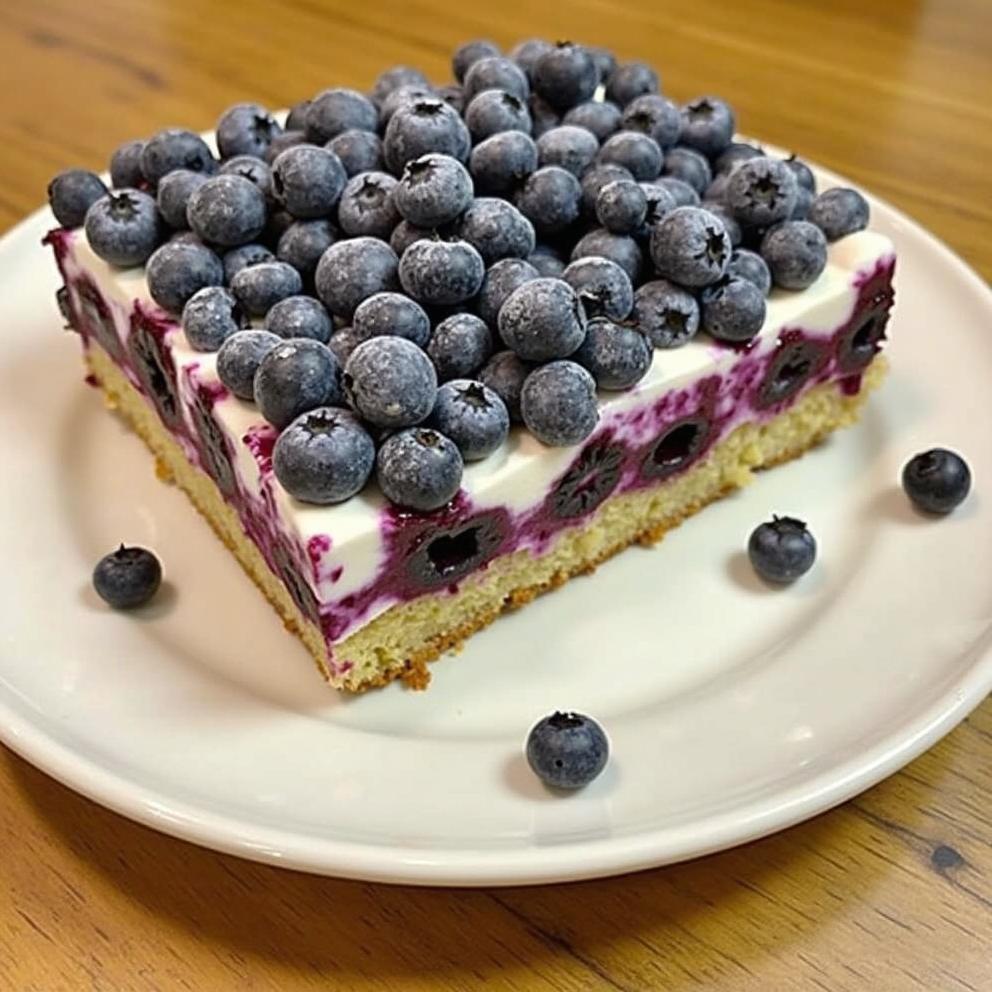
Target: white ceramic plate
734,710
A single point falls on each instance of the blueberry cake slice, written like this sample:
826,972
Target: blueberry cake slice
421,354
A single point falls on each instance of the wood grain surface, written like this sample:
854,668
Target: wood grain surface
891,891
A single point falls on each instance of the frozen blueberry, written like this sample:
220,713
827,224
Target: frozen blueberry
751,266
629,81
296,119
543,319
567,750
732,309
501,280
550,199
838,212
351,271
473,416
239,358
358,151
467,54
546,261
299,317
460,346
781,550
527,53
504,374
343,342
179,269
494,73
717,190
395,77
606,61
558,403
604,288
295,377
277,223
735,153
566,75
245,129
618,356
636,152
803,173
250,168
308,181
497,230
453,95
666,313
404,235
653,115
621,206
619,248
368,205
795,252
734,230
390,382
124,227
324,456
404,96
419,469
391,313
227,210
212,315
690,246
175,148
543,116
302,244
125,165
569,146
688,165
493,111
659,202
173,195
127,577
600,117
337,110
804,203
761,191
433,190
441,273
71,193
594,179
501,163
422,126
288,139
260,287
936,481
681,192
707,125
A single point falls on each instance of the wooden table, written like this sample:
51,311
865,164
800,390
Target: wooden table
891,891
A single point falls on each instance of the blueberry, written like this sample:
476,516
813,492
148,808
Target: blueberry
495,73
527,53
419,469
404,96
260,287
621,206
124,227
550,199
433,190
404,235
351,271
603,287
568,145
690,246
125,165
781,550
636,152
659,202
838,212
302,244
296,119
629,81
735,153
543,319
493,111
441,273
689,165
299,317
501,280
343,342
308,181
127,577
558,403
803,173
245,129
566,75
707,125
666,313
211,315
543,116
505,374
250,168
391,313
422,126
594,179
469,53
501,163
473,416
729,221
392,79
295,377
617,356
175,148
460,346
600,117
453,95
716,192
227,210
567,750
761,191
937,480
751,266
732,309
71,193
173,195
390,382
368,205
606,61
275,226
683,194
653,115
239,358
804,203
546,261
324,456
619,248
497,230
358,151
795,252
177,270
337,110
288,139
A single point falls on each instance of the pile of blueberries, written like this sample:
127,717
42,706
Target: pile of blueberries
396,277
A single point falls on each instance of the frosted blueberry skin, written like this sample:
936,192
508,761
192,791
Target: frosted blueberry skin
368,206
299,317
308,181
246,129
690,246
227,210
433,190
210,317
351,271
359,151
179,269
567,750
505,374
839,212
637,152
603,286
622,206
558,403
618,356
594,179
468,53
689,165
473,416
175,148
629,81
395,77
750,265
419,468
796,254
173,195
248,167
653,115
422,126
124,227
550,199
337,110
494,111
619,248
239,357
260,287
936,481
543,319
494,72
566,75
127,578
441,273
125,165
499,164
707,125
668,314
71,193
302,244
459,347
761,191
572,147
391,313
527,53
601,117
390,382
496,229
501,280
732,309
782,550
295,377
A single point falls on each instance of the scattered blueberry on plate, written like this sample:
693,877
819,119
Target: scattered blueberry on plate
567,750
781,550
936,481
127,577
